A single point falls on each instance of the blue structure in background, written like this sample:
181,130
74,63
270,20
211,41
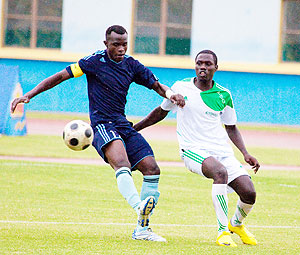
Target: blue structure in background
258,98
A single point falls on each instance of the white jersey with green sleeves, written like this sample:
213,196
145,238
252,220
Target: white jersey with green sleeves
199,122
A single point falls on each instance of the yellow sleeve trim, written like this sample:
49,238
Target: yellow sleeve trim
76,70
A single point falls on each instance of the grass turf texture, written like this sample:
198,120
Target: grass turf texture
53,146
75,209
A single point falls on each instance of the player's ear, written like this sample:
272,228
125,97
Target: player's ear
105,42
217,67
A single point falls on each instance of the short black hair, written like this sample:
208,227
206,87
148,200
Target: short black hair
115,28
208,52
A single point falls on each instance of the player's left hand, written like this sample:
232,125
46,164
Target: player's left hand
16,101
178,100
252,162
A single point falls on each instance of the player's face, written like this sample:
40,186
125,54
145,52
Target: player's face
205,67
116,46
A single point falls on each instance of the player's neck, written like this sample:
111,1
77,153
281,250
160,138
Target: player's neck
111,59
203,85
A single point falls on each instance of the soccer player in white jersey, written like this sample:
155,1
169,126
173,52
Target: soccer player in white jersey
204,145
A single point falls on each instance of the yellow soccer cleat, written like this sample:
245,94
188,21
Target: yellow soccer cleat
243,233
225,240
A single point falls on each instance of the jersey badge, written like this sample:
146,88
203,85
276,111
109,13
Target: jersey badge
221,97
211,114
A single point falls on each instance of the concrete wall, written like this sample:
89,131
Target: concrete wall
241,31
85,22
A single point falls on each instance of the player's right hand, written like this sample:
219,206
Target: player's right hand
18,100
178,100
252,162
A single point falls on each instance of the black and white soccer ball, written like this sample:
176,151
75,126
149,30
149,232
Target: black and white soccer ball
78,135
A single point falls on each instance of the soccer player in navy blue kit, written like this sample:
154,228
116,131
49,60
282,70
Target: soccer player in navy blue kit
109,74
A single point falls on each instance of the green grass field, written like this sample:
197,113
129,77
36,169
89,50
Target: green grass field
51,208
53,146
55,208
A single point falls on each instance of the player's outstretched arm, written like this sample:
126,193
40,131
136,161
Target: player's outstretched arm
166,92
236,137
46,84
153,117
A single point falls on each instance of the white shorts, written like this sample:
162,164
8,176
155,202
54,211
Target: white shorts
193,159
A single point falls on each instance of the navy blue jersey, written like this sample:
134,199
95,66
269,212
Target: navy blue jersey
108,83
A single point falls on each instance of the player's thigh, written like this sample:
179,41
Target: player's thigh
193,159
214,169
137,149
110,145
116,155
234,168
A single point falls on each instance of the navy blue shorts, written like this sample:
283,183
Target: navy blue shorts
135,144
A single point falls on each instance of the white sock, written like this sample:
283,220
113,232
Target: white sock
241,212
220,201
127,188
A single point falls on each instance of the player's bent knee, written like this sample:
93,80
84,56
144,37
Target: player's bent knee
154,170
148,166
220,176
118,162
249,197
150,170
213,169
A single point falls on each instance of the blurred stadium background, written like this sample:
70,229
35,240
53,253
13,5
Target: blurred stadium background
257,43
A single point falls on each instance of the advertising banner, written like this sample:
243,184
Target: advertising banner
11,123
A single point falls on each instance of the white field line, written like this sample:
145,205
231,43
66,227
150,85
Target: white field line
101,162
131,224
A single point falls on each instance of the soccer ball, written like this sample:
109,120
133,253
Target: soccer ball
78,135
